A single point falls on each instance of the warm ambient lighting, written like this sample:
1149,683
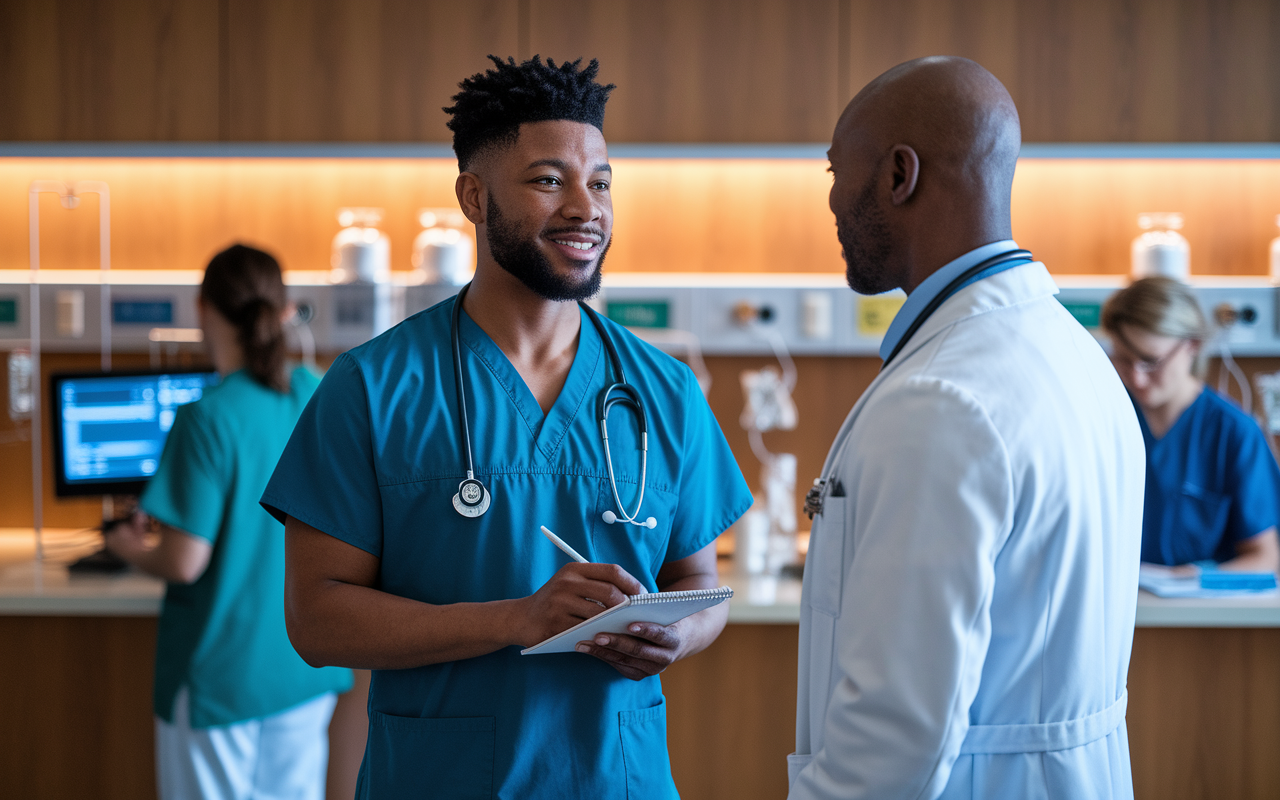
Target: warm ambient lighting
673,214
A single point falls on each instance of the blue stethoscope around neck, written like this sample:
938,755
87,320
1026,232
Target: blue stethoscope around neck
473,498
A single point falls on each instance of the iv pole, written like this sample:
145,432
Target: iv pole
70,198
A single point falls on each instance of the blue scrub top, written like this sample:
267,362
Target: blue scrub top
1211,483
375,461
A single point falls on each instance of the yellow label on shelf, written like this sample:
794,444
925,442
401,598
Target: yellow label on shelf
875,314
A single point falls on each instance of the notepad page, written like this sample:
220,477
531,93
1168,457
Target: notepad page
661,608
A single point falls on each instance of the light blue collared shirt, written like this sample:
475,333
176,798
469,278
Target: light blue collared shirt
934,284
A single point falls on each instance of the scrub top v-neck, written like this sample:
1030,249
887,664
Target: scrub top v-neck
1211,483
375,460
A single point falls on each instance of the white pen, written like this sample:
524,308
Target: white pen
558,542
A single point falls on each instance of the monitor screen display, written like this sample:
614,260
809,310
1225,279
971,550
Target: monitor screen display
109,428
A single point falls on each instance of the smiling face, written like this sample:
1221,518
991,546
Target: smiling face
548,214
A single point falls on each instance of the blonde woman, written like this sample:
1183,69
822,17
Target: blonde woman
1213,486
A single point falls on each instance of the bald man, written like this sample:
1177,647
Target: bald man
971,583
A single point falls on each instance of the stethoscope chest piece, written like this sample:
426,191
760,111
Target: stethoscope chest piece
472,498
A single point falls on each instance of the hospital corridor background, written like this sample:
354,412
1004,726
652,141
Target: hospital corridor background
139,138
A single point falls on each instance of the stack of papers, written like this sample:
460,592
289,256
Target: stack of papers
1163,582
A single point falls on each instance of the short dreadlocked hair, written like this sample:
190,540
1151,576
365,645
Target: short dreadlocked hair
492,105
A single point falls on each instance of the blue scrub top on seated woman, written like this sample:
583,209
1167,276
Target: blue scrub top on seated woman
375,461
1212,482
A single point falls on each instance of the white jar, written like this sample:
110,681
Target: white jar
361,252
1275,255
1161,250
443,253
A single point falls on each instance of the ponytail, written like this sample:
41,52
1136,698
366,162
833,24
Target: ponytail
246,286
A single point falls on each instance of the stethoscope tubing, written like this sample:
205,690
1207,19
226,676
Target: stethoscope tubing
628,396
950,289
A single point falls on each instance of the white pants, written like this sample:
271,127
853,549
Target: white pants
281,756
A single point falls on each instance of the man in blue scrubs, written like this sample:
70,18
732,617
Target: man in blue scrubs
384,573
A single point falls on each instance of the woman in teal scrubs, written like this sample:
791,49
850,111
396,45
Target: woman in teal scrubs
1213,486
238,713
384,572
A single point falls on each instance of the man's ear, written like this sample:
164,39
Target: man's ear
905,164
472,196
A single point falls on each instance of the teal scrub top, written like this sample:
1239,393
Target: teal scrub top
375,461
223,637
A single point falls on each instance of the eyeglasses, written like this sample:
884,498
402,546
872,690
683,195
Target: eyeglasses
1143,364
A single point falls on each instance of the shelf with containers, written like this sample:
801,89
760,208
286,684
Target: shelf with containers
678,208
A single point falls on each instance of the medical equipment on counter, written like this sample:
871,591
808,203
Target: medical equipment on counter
1275,255
361,270
473,498
1225,317
361,252
443,253
1161,250
768,540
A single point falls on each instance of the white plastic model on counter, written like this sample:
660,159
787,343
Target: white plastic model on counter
1161,250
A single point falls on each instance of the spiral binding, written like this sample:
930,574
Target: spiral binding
721,593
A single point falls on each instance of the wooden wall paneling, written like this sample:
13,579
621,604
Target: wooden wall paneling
1204,713
1098,70
356,70
731,714
75,711
723,216
1080,216
710,71
109,70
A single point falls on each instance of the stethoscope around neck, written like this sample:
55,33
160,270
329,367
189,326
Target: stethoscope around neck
473,498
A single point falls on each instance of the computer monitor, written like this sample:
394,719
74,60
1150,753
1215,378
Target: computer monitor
109,427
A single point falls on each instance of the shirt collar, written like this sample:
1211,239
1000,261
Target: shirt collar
932,286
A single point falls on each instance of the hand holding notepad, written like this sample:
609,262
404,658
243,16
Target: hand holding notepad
660,608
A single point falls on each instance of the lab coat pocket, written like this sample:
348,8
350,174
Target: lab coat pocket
644,753
824,564
796,763
413,757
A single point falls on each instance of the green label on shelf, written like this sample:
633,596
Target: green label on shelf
8,310
1087,314
640,313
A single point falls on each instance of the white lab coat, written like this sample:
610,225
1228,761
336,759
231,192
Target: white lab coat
968,606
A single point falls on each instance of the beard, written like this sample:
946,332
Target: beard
864,237
519,255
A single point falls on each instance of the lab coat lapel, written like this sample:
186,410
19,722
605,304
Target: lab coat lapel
1011,287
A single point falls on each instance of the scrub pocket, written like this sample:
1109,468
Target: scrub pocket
644,753
445,757
1201,523
824,564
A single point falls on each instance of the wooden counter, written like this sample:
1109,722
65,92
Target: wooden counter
76,664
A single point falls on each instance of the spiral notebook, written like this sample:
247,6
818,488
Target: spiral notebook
662,608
